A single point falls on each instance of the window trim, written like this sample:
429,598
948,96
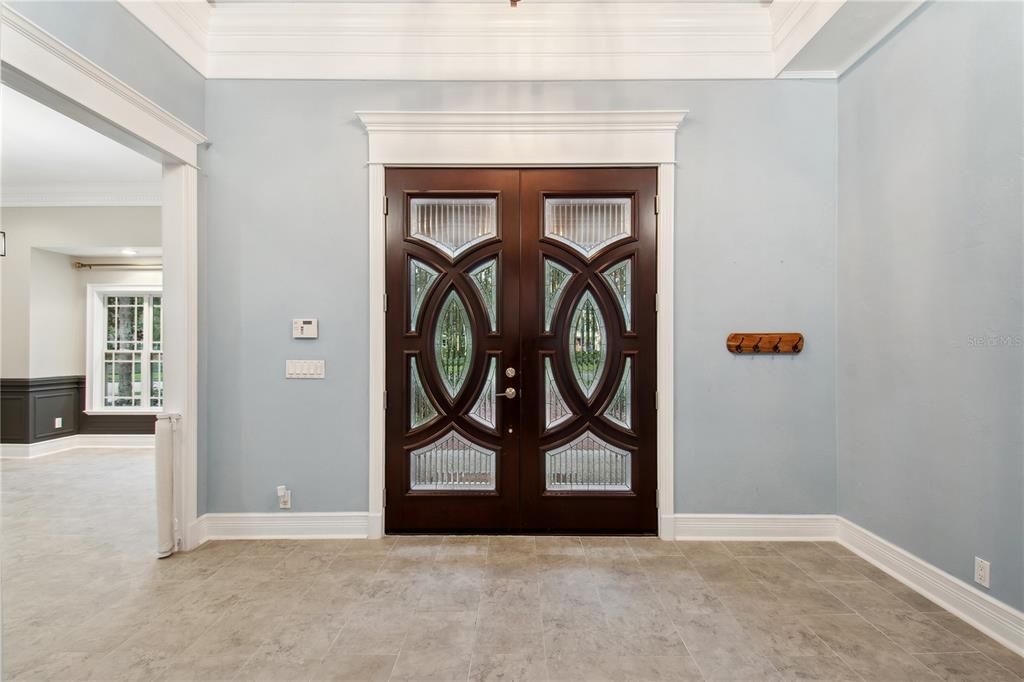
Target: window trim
95,334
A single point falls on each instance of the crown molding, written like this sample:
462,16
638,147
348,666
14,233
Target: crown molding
181,24
43,59
488,40
85,194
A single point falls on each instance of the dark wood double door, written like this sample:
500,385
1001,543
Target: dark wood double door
521,350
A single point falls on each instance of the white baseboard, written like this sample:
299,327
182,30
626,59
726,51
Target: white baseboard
754,527
996,619
75,442
283,526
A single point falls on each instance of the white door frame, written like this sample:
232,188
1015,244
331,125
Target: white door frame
39,65
522,139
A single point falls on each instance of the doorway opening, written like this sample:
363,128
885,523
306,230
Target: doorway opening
521,356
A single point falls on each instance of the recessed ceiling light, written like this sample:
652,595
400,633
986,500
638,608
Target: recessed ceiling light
129,252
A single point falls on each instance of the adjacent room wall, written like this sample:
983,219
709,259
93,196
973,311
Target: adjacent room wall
285,237
108,34
41,340
930,337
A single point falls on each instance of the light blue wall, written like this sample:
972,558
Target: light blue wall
286,237
930,371
106,33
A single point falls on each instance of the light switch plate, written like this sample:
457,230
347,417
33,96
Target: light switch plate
304,369
306,328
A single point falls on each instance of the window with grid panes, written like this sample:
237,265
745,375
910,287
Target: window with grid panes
133,368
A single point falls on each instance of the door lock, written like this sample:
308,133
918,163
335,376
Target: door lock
508,393
510,372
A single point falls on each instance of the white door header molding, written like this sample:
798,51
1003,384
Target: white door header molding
502,138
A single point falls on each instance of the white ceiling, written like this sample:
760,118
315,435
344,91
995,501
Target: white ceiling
48,159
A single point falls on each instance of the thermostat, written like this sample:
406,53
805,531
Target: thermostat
305,329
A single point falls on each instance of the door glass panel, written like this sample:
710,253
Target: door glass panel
587,343
421,410
620,278
452,463
620,410
555,411
587,225
556,277
484,409
453,343
485,277
588,463
453,226
421,278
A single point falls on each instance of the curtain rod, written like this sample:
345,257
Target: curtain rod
77,265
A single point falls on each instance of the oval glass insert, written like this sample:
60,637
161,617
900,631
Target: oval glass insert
453,343
587,343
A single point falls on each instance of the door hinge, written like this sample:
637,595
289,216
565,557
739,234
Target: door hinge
385,205
385,302
657,402
657,302
384,497
657,498
385,401
657,204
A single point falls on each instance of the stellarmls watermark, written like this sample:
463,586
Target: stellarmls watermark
996,341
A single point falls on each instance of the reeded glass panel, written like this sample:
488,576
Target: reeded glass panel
485,277
453,343
453,225
587,463
421,277
587,225
556,277
620,277
452,463
620,410
555,409
484,409
587,343
421,410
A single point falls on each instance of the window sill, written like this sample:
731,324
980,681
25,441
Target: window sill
122,411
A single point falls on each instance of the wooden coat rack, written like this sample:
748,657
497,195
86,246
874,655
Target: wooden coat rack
767,343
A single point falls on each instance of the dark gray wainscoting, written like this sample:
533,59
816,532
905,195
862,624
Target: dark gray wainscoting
29,409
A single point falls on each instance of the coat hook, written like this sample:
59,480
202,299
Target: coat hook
757,344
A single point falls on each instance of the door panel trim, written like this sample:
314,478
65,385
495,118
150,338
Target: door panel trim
522,139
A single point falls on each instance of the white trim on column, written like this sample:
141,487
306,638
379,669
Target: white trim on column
47,69
37,54
76,442
502,138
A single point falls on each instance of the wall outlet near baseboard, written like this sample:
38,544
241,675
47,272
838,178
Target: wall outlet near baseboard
58,422
284,497
981,571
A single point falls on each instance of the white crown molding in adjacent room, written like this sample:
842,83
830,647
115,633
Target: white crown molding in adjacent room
91,194
78,441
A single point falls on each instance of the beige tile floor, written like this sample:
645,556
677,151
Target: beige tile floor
85,599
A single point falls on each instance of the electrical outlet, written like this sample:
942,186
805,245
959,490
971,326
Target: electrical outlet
58,422
981,571
284,497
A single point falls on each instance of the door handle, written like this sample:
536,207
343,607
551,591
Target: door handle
507,393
